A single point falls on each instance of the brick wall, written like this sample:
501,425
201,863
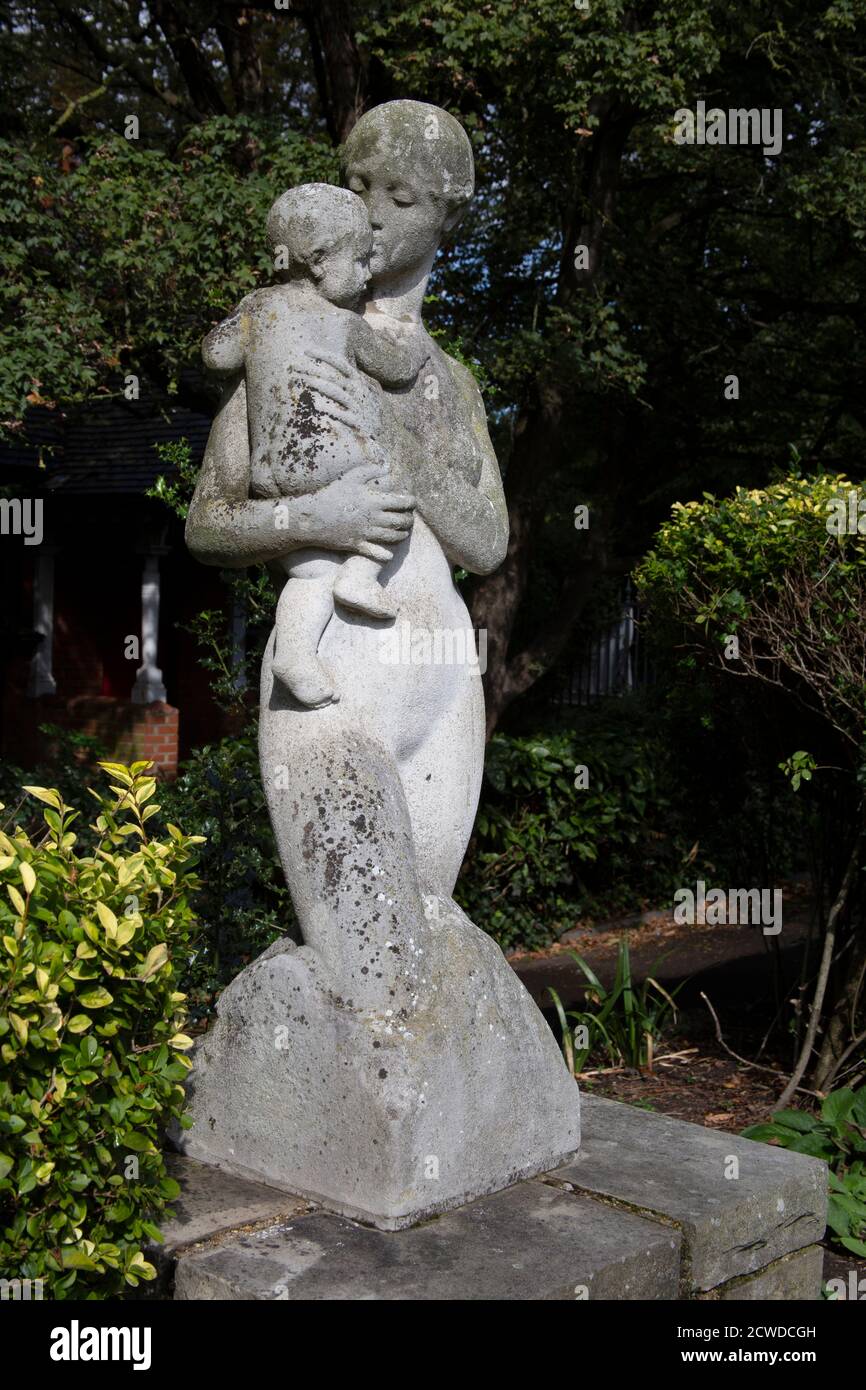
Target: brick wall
153,733
130,733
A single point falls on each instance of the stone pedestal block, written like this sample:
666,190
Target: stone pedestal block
739,1204
385,1120
645,1213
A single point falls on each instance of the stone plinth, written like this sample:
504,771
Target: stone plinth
385,1121
674,1228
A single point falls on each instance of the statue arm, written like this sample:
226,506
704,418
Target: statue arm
470,520
228,528
224,347
389,361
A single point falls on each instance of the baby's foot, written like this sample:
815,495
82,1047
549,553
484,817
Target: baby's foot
369,599
307,682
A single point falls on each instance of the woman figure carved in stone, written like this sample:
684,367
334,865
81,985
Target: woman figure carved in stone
396,1041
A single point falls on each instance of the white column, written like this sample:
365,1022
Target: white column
42,680
148,678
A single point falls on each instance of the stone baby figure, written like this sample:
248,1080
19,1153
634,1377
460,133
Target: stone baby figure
322,236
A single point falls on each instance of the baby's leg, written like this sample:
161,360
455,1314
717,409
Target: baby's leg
357,587
304,609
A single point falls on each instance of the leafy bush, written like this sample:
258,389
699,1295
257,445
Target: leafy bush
546,851
773,568
152,236
838,1135
771,585
69,764
91,1041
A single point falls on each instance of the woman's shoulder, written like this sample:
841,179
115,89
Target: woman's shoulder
460,373
467,388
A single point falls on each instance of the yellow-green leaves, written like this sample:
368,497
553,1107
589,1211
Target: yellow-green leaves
20,1026
48,795
91,1034
155,960
96,998
16,898
108,920
125,932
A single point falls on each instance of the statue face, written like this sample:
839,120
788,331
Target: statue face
406,216
343,273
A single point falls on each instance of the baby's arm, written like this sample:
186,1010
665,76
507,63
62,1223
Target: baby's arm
392,364
224,347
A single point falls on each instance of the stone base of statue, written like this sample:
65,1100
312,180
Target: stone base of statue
383,1120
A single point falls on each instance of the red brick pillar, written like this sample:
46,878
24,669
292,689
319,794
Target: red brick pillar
152,735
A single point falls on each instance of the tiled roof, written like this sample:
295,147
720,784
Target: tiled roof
107,447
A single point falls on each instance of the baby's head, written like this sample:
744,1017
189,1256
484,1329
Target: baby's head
322,234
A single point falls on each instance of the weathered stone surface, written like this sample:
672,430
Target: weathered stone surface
796,1276
212,1202
731,1226
393,1065
530,1243
387,1121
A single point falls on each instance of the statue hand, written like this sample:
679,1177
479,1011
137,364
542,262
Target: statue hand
361,512
346,395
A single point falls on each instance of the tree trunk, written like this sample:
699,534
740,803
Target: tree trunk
237,36
840,1035
195,66
340,72
496,598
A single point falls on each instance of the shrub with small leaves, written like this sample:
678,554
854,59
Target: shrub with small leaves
838,1135
548,849
92,1048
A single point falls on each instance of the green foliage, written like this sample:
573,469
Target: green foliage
92,1051
799,768
545,852
838,1135
623,1023
69,765
134,238
176,488
777,568
241,902
715,557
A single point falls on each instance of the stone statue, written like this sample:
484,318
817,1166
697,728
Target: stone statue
324,237
392,1066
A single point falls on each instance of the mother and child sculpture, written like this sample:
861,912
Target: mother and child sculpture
392,1066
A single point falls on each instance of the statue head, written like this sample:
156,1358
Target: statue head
412,166
322,234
